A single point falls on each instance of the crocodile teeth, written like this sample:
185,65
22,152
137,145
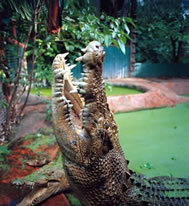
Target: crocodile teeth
74,91
100,119
68,120
76,83
67,116
87,106
58,75
85,115
70,106
85,79
61,99
82,91
78,59
83,84
56,94
72,66
61,103
70,124
58,89
86,74
59,80
65,54
86,69
57,71
85,110
59,85
84,122
65,106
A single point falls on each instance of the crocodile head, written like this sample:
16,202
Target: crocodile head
92,155
83,123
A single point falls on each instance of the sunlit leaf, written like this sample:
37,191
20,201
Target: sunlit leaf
121,45
113,34
108,40
129,20
127,28
115,43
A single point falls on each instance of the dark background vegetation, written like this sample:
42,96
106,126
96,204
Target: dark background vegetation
33,32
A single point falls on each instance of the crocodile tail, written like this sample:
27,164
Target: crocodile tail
161,191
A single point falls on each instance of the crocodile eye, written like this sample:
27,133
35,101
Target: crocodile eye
106,125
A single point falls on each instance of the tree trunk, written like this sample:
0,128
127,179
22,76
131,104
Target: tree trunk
133,38
54,21
176,50
179,52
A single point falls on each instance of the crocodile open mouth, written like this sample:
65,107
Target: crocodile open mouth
83,124
78,97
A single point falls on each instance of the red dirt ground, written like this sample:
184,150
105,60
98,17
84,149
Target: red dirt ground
18,168
159,93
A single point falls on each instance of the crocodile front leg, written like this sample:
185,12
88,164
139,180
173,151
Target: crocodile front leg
45,188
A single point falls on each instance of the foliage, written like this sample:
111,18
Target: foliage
80,25
75,34
4,152
42,173
18,79
77,31
3,104
163,28
23,8
39,139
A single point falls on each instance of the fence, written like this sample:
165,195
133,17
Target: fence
160,70
116,64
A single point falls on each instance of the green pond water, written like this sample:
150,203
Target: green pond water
110,91
156,141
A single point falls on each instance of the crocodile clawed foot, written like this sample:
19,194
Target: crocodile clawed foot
45,188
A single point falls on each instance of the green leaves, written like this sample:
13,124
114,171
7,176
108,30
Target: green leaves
121,45
86,27
3,104
108,40
127,29
4,150
116,31
22,7
159,31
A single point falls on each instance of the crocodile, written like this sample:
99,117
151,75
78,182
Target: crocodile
94,166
